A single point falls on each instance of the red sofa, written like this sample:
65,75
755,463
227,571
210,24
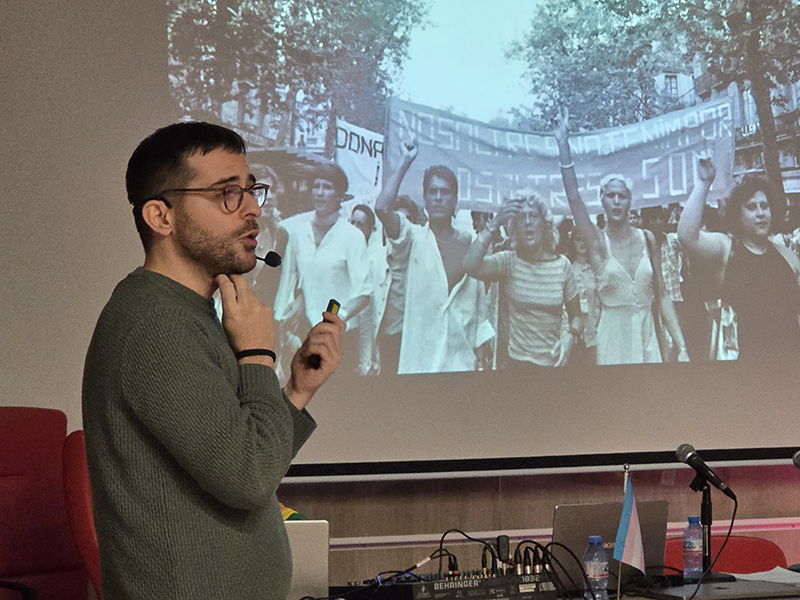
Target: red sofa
36,544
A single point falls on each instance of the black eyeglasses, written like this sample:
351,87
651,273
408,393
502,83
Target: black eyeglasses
231,194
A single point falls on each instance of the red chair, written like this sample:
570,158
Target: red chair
742,554
36,546
78,495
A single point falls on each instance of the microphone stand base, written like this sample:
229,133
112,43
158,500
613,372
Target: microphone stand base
710,577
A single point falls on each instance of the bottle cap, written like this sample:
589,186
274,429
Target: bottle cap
595,539
694,520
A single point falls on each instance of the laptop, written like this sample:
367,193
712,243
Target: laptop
308,540
574,523
729,590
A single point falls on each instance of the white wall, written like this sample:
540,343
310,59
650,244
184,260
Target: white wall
74,106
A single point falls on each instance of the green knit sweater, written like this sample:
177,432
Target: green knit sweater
186,449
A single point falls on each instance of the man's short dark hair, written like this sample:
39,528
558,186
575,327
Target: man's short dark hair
159,162
443,172
333,173
743,192
367,213
405,202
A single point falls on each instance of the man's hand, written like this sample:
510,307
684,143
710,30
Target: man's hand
325,341
409,149
247,323
706,170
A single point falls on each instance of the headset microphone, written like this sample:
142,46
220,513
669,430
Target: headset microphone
796,459
273,259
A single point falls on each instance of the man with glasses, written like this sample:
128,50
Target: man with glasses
188,432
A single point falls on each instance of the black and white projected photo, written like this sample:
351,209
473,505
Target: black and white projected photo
413,154
488,188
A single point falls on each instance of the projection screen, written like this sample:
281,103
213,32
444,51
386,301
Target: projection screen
457,85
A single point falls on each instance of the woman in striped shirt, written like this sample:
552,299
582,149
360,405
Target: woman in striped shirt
537,283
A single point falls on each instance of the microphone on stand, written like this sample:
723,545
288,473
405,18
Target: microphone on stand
273,259
687,454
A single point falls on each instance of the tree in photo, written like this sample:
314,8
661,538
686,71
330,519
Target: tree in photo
221,50
601,58
753,43
311,59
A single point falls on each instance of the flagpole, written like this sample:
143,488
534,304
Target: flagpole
626,469
628,547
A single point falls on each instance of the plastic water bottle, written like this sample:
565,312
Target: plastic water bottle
693,547
595,563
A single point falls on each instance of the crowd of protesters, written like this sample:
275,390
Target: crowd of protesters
423,293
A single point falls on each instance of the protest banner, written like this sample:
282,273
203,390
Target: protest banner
359,152
658,155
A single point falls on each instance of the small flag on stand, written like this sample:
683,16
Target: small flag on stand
628,547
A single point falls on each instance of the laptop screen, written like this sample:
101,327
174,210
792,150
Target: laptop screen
574,523
309,543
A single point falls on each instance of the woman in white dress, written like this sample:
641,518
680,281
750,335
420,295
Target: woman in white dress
629,276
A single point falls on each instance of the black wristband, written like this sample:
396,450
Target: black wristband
255,352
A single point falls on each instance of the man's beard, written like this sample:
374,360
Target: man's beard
214,254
